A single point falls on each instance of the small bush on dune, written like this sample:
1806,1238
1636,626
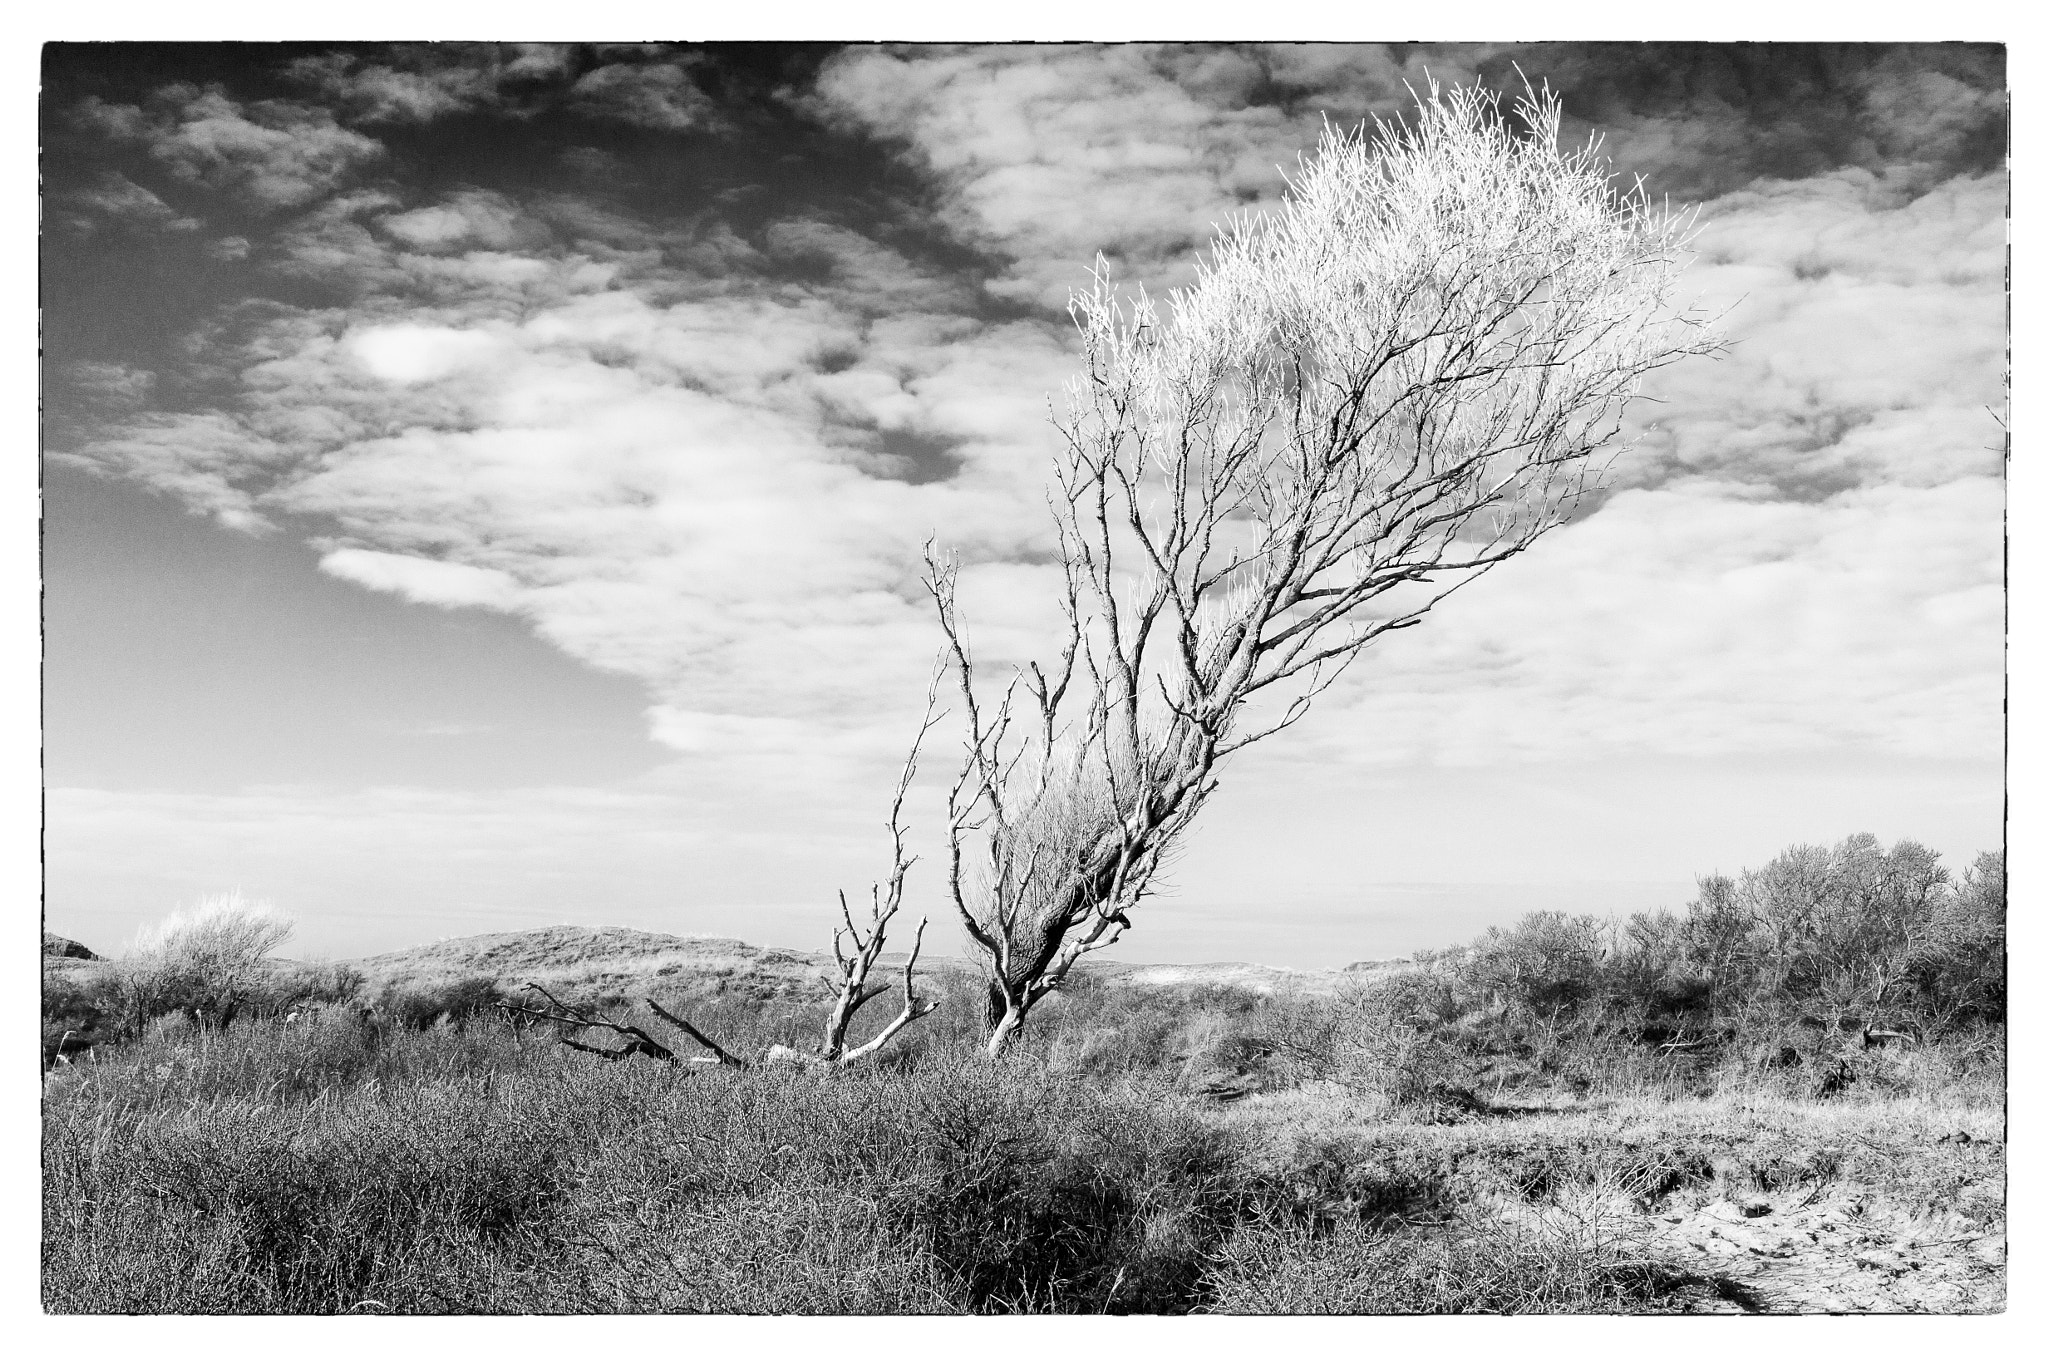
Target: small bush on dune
206,959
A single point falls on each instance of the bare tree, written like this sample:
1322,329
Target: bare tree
1364,402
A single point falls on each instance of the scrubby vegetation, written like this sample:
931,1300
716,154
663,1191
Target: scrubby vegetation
1680,1112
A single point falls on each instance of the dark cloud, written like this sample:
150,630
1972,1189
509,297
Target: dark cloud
1699,120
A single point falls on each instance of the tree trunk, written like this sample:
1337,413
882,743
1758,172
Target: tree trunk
1004,1032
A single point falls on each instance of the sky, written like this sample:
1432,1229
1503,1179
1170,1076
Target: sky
485,487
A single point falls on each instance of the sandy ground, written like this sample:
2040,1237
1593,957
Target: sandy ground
1835,1250
1788,1206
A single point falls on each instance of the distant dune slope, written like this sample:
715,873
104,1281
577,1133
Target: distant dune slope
585,963
63,948
615,960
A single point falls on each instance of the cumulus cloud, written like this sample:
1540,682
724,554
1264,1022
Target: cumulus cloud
646,86
208,460
273,154
1050,157
696,485
411,354
473,219
709,458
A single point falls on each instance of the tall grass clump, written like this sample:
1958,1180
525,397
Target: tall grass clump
388,1197
332,1165
1564,1264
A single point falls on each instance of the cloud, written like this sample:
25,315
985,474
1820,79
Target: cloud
410,354
720,486
439,582
117,199
417,83
1868,340
1049,156
659,95
1702,622
473,219
206,460
272,155
114,385
709,457
1701,120
417,88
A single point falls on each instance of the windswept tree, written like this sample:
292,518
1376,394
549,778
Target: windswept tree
1403,377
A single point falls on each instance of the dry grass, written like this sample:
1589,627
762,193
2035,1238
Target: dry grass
335,1164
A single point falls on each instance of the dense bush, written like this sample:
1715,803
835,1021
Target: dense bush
1775,975
1830,936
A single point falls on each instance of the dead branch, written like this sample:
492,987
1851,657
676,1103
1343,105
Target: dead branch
580,1017
718,1052
852,991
